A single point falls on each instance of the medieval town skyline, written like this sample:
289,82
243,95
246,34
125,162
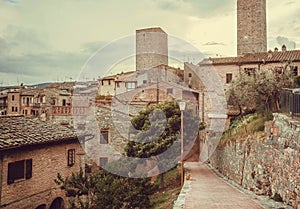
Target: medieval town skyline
51,41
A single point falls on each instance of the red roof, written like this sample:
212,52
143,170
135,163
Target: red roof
266,57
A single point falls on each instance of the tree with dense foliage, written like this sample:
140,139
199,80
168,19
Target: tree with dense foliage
260,91
105,190
157,129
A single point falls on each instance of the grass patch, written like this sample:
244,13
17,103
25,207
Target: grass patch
164,198
240,128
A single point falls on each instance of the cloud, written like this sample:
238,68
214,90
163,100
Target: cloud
12,1
92,47
284,40
213,44
198,8
26,54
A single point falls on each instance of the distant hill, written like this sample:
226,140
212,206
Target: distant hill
42,85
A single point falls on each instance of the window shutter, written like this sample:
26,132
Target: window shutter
28,174
10,173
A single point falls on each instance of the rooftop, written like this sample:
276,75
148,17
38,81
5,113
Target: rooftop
18,131
266,57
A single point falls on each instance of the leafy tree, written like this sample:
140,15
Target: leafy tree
157,128
260,91
105,190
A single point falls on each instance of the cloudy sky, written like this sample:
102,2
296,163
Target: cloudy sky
51,40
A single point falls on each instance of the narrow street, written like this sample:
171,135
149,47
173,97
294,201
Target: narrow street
206,190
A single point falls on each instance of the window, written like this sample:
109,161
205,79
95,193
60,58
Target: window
104,137
130,86
81,127
102,82
108,82
71,157
16,109
169,90
103,161
12,109
118,84
144,81
19,170
24,100
13,97
228,77
190,75
294,70
64,102
249,71
278,70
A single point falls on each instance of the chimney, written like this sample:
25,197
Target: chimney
276,49
270,54
283,48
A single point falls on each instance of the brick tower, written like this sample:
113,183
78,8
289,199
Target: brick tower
251,26
151,48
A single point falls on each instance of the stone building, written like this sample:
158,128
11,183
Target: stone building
3,103
229,68
32,152
151,48
251,26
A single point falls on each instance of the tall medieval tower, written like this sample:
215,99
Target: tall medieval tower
251,26
151,48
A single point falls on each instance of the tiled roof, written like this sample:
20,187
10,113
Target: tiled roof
18,131
266,57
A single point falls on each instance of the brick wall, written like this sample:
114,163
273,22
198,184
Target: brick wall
47,161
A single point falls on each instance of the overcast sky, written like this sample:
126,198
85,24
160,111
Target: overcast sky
51,40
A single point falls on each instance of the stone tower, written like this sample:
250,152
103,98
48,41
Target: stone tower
251,26
151,48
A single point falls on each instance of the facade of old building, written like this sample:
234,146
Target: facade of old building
229,68
32,154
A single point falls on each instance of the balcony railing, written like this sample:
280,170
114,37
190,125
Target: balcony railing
68,111
290,102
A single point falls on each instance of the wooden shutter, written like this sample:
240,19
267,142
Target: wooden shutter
28,171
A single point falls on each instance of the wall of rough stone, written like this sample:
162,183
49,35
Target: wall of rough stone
265,163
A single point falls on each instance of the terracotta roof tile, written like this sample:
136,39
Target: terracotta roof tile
18,131
281,56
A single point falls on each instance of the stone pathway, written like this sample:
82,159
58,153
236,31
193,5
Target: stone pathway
206,190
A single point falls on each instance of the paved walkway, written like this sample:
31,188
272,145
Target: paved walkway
206,190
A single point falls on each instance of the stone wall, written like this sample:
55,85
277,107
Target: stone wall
265,163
